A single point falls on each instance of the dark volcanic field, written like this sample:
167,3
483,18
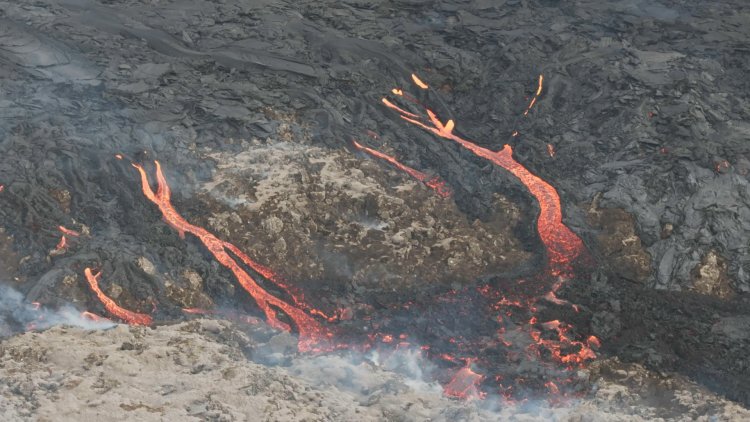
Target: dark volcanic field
251,107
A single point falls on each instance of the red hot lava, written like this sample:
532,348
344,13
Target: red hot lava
133,318
536,96
313,336
418,82
93,317
465,385
69,232
62,244
562,245
433,183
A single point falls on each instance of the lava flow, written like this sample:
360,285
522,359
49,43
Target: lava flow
313,336
433,183
562,245
133,318
465,384
68,232
552,339
62,244
536,95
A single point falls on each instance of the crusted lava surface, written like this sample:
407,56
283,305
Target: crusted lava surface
633,114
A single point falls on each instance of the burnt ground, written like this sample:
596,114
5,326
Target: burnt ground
251,108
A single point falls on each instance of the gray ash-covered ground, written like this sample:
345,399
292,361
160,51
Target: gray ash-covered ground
213,370
251,108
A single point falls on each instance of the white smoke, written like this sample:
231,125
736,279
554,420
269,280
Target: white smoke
17,315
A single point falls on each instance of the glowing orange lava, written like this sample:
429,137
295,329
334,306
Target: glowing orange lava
536,96
113,308
433,183
62,244
548,340
563,341
69,232
397,108
312,335
562,245
418,82
465,385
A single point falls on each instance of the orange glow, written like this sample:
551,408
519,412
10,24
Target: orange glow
548,339
562,245
552,297
594,342
113,308
563,349
538,91
312,335
433,183
449,126
397,108
69,232
465,385
397,91
552,387
62,244
418,81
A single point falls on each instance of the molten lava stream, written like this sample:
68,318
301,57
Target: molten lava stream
562,245
312,335
433,183
113,308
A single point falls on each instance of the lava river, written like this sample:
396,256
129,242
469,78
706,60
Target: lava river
485,336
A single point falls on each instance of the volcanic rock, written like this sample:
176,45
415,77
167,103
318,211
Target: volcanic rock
251,108
192,371
351,219
619,244
711,277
